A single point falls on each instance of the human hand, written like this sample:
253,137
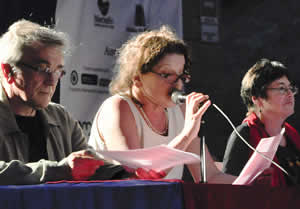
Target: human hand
83,164
141,173
194,110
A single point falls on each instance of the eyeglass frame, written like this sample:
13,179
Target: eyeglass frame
180,76
284,90
45,71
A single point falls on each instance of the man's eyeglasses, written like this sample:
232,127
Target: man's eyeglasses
44,71
284,90
173,78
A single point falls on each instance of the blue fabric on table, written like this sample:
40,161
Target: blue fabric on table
139,194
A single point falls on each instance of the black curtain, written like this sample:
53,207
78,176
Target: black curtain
42,12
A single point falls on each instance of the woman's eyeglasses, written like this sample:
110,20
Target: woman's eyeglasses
173,77
284,90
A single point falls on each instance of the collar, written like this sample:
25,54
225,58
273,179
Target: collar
253,120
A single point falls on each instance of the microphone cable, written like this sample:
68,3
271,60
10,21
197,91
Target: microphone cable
252,148
179,97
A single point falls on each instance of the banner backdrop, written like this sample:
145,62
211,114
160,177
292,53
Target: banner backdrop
96,29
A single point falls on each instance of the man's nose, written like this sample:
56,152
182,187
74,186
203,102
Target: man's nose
51,79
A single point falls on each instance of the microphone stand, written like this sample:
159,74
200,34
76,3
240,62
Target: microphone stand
202,154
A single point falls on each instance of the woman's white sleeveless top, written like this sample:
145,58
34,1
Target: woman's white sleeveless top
148,137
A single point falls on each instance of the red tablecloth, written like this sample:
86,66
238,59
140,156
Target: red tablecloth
217,196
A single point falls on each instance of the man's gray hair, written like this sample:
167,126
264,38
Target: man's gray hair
25,34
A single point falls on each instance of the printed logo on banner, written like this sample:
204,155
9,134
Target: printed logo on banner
103,7
109,51
103,21
74,77
139,20
89,79
104,82
86,126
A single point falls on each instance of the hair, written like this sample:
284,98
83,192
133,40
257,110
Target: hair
25,34
258,77
142,52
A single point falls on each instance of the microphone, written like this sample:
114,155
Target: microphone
178,97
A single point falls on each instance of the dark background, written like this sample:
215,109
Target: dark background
248,31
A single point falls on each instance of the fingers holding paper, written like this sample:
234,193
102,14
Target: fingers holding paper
141,173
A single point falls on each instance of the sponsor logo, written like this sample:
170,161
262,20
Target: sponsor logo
103,21
104,82
139,20
89,79
110,51
86,126
74,77
103,7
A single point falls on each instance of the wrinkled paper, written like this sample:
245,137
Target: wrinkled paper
156,158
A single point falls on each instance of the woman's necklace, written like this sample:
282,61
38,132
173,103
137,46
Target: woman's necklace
165,131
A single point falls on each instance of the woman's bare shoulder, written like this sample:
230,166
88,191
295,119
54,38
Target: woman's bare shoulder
118,105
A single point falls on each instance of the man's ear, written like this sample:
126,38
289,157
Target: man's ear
7,72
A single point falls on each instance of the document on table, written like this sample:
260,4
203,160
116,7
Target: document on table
156,158
257,164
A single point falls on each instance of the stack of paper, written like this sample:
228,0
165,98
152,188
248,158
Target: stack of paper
156,158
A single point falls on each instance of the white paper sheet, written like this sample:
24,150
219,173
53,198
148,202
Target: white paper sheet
257,164
156,158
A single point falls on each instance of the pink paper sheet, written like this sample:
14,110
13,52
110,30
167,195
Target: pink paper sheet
257,164
157,158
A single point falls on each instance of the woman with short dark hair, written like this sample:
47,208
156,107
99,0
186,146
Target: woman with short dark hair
269,95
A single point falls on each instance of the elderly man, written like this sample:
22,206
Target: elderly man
39,140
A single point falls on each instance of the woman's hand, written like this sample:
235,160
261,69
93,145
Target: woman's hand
141,173
151,174
196,105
